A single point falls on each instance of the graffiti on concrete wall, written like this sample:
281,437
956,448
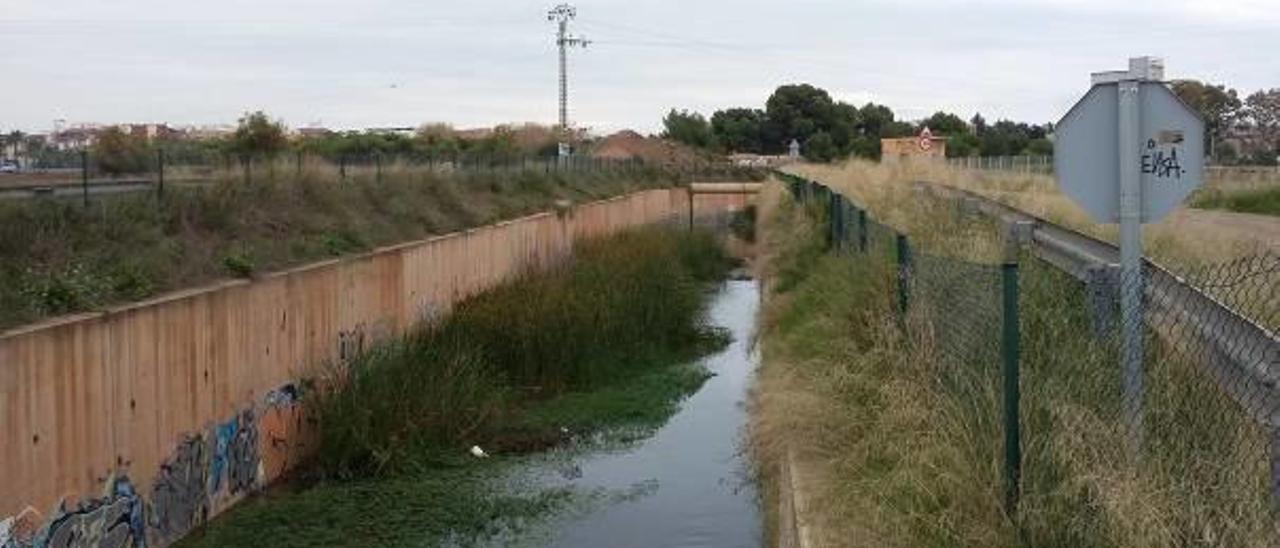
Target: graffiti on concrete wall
180,494
235,454
116,520
283,430
206,469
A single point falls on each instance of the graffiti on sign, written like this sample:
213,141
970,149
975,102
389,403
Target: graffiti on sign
1160,162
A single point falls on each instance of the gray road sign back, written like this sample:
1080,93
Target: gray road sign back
1087,152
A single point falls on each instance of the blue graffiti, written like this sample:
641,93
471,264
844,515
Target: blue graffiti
235,454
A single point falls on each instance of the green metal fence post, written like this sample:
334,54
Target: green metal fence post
862,230
833,221
1011,349
904,273
84,175
160,173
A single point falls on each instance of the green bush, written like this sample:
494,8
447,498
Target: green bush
116,152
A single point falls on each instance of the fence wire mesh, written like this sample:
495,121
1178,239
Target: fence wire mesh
1188,434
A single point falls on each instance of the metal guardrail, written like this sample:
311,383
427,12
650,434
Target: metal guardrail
1243,356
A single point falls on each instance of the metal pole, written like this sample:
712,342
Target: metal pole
160,173
1131,256
1010,347
862,230
84,175
689,192
904,273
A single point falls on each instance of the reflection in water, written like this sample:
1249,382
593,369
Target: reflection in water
686,485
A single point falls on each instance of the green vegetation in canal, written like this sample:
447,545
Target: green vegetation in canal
58,257
458,499
603,344
1262,201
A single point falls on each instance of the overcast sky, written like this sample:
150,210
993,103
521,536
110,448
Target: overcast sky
352,64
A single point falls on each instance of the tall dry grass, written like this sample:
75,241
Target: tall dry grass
1182,238
900,441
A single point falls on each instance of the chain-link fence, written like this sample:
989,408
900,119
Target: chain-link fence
1167,426
88,173
1018,164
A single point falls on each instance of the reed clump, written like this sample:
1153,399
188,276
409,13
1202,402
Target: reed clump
621,306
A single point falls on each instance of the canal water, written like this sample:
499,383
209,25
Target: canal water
688,484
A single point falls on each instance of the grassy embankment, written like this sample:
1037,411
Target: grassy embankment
57,257
602,344
896,445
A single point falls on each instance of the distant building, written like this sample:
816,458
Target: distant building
923,147
150,131
215,131
402,131
314,132
744,159
78,137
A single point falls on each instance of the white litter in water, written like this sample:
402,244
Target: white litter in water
477,452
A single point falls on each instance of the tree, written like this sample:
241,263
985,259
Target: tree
118,152
14,141
979,124
739,129
820,147
687,127
875,120
258,135
945,123
844,126
1262,115
963,144
800,110
1218,105
1040,146
437,140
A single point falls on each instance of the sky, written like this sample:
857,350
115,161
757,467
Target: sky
376,63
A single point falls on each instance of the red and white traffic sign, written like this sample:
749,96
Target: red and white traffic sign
926,139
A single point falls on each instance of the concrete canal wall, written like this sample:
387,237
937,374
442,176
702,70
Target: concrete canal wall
136,424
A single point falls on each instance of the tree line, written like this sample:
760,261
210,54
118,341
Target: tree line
827,129
1238,131
258,136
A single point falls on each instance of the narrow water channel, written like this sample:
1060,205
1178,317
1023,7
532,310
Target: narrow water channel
688,482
